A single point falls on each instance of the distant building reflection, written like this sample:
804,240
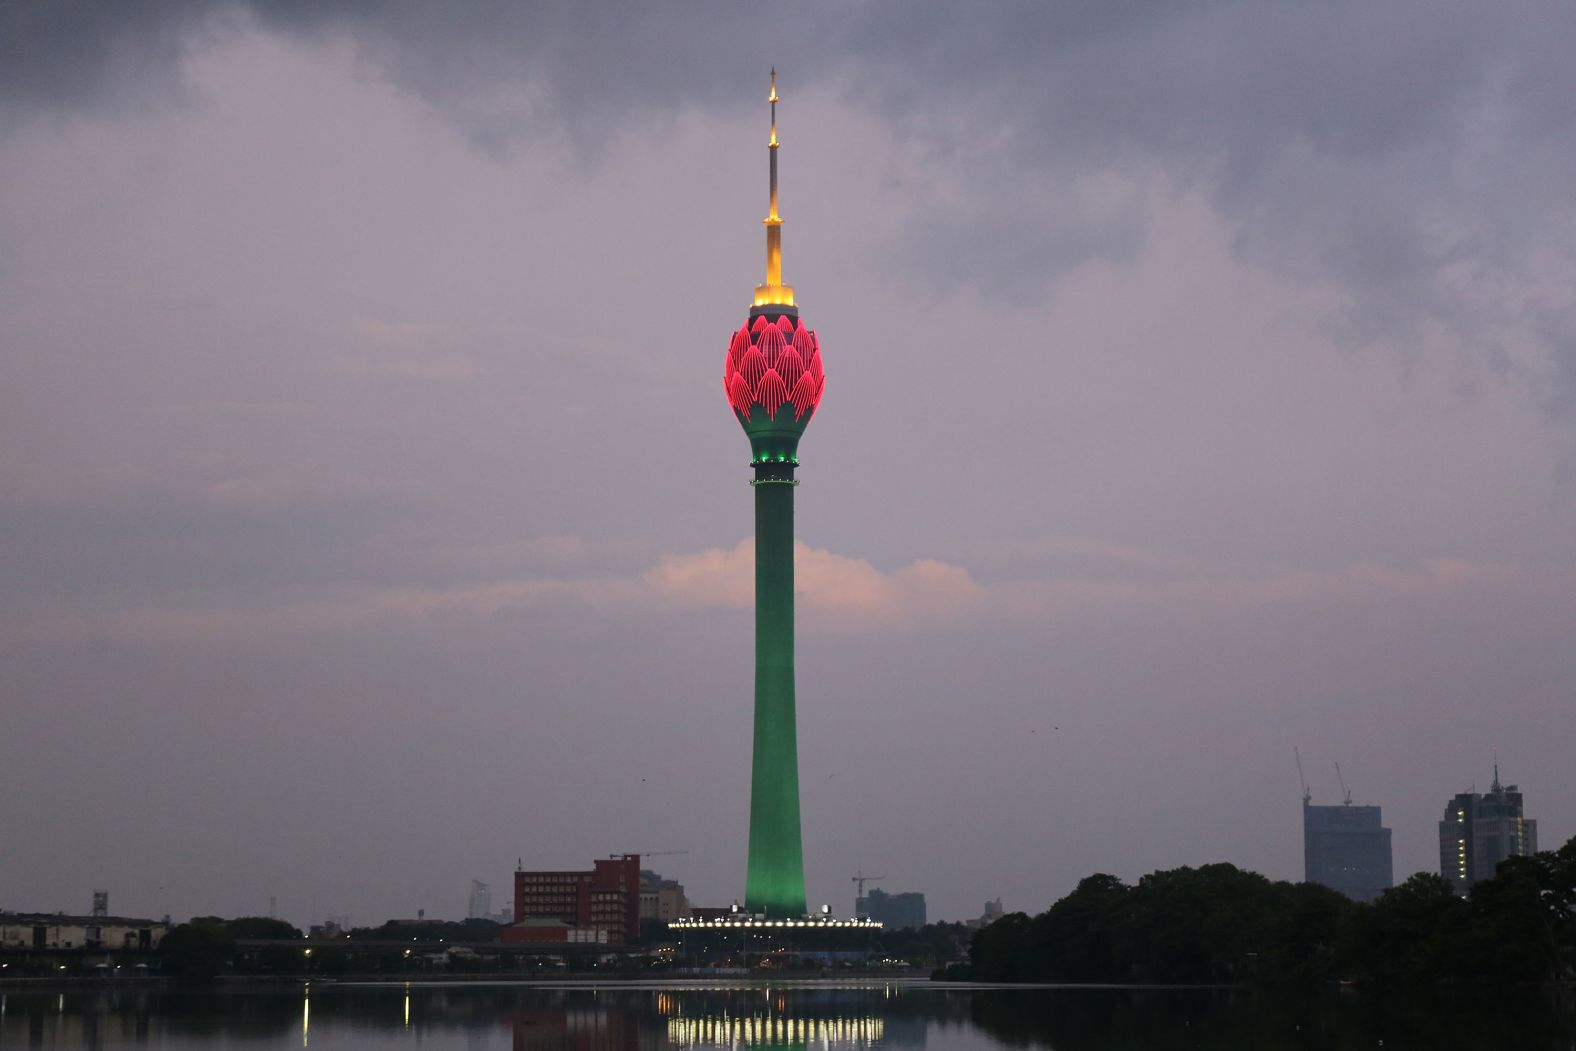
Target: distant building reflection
583,1029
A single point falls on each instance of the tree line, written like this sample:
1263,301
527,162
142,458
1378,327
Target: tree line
209,945
1221,924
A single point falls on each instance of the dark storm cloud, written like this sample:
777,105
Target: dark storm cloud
55,57
503,70
1225,86
1417,156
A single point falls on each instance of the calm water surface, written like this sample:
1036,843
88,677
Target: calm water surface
760,1015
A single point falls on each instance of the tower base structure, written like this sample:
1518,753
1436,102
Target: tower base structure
740,920
748,941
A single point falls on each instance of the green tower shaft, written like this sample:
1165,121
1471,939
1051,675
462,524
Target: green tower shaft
775,880
773,379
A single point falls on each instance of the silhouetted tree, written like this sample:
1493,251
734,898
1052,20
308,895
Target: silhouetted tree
928,946
1412,932
431,931
1218,923
261,927
199,949
997,952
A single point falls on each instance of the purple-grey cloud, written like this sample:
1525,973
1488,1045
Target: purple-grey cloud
1415,157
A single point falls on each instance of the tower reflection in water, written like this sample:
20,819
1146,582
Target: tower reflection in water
757,1018
775,1031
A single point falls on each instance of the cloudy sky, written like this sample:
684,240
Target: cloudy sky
1202,384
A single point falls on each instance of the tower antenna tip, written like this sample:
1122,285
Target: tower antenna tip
773,292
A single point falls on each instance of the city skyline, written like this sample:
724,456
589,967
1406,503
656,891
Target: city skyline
333,573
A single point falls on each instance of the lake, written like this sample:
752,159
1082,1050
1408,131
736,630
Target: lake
827,1015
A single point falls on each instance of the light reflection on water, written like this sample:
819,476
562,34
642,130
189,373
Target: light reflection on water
829,1016
768,1031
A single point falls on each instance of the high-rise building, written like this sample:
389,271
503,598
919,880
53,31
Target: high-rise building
1478,831
1346,848
896,911
773,380
605,899
481,901
662,899
992,912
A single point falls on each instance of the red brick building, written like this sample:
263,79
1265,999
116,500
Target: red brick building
606,899
555,932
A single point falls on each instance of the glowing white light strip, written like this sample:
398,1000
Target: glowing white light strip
818,924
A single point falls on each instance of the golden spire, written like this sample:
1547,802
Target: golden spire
773,292
773,101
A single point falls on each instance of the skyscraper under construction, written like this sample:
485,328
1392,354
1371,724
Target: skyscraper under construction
1346,848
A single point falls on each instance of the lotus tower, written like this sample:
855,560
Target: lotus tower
773,380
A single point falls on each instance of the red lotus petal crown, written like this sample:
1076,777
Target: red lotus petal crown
772,364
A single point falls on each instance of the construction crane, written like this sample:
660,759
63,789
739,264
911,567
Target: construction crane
862,879
1307,796
1346,793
